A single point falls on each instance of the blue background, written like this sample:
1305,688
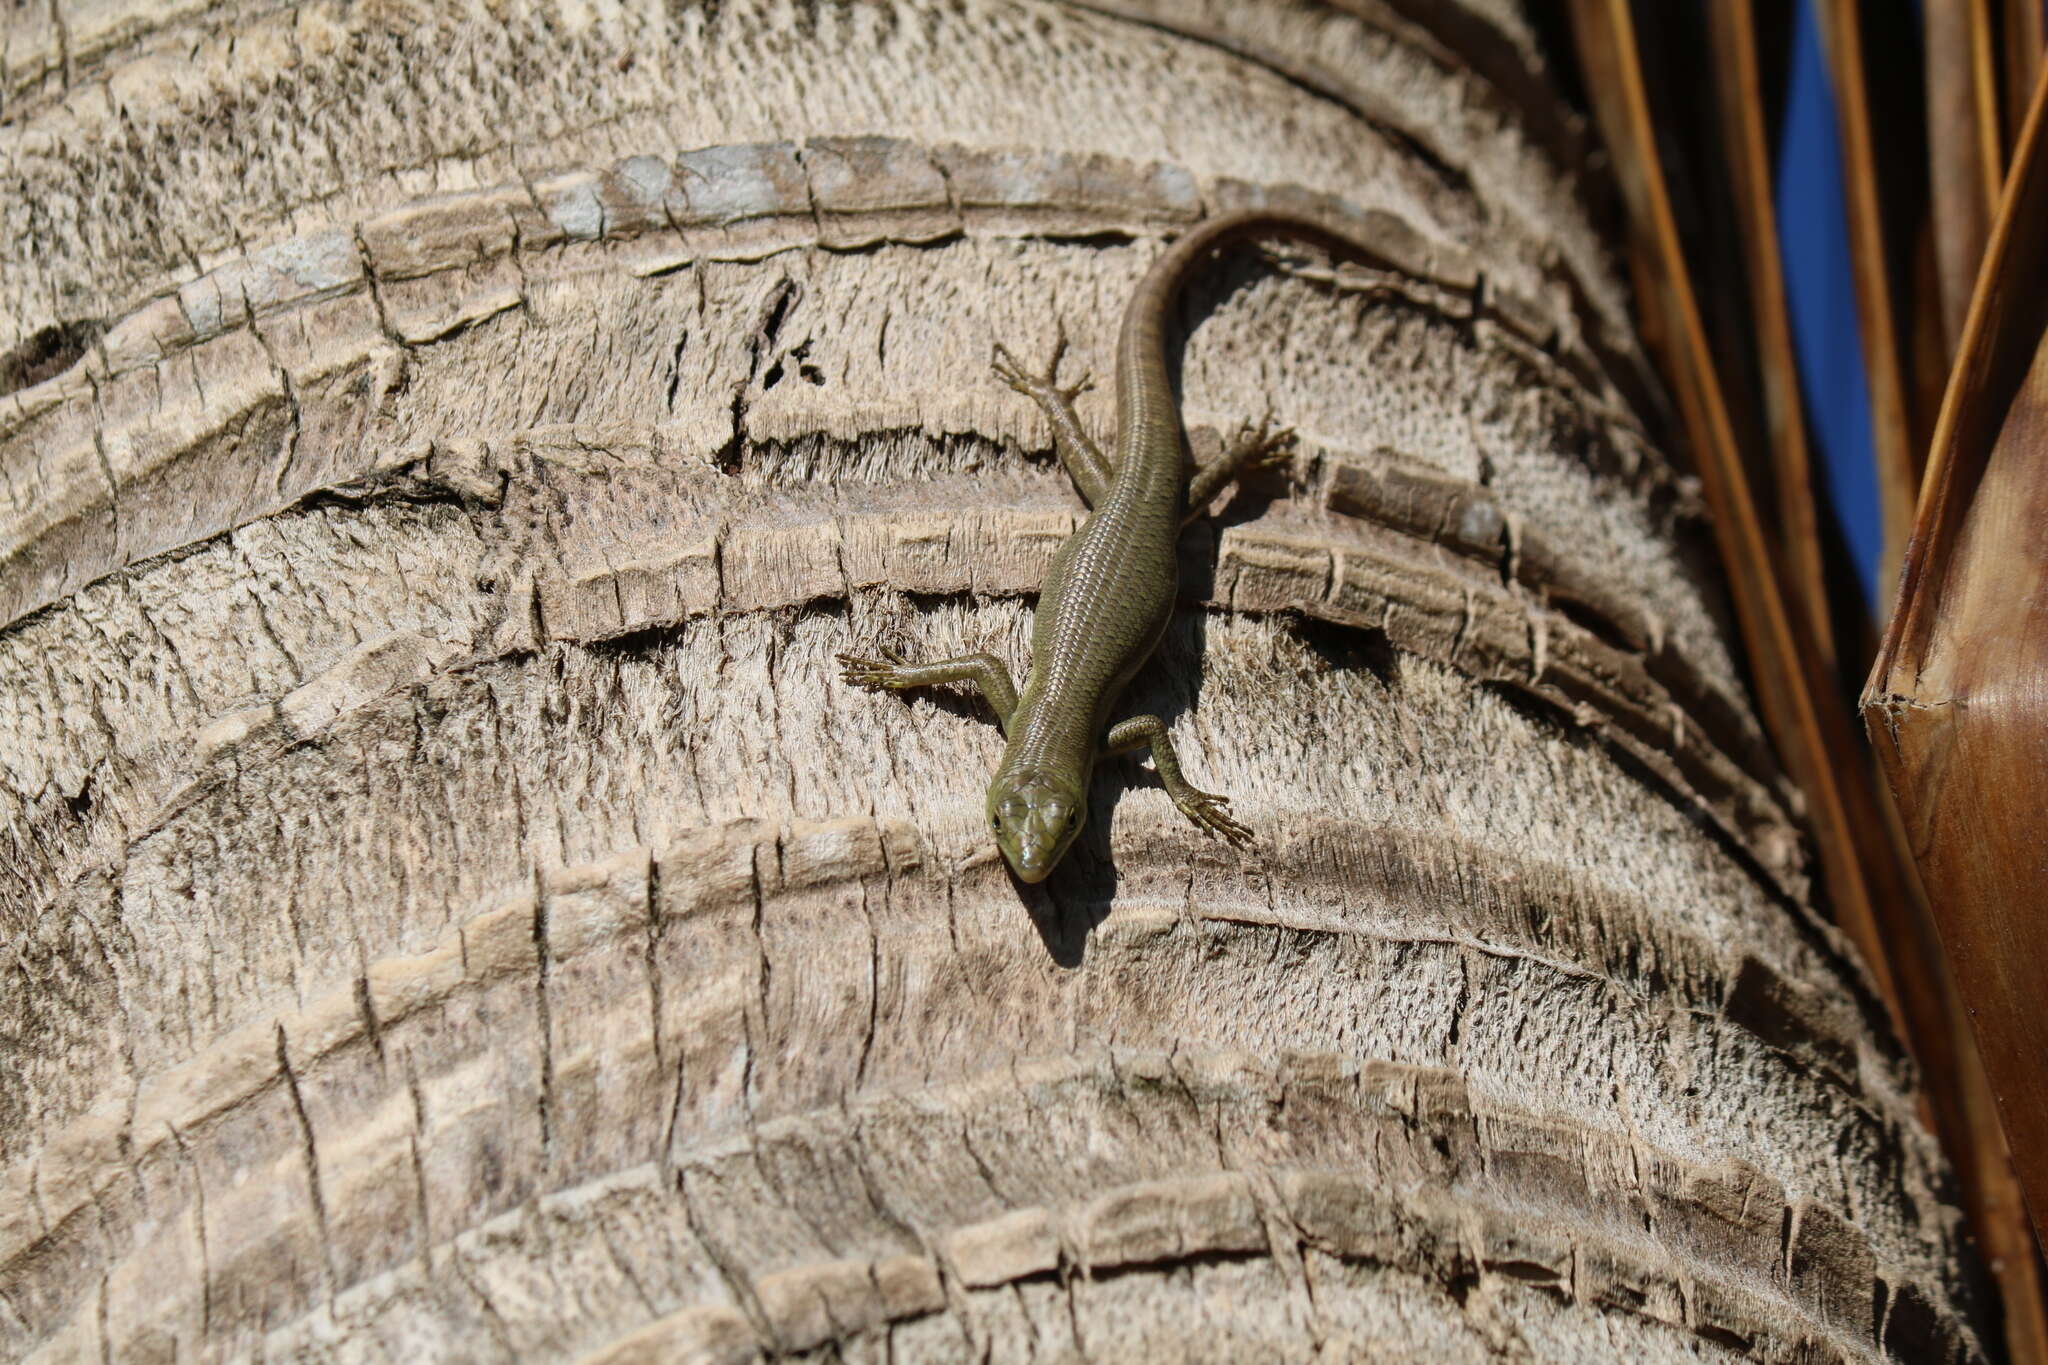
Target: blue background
1813,235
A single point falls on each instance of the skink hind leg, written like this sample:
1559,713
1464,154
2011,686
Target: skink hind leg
891,673
1087,466
1256,446
1209,811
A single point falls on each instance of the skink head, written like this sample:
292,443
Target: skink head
1034,817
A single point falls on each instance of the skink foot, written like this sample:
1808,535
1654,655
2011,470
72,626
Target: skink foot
1041,388
1261,446
1210,814
885,674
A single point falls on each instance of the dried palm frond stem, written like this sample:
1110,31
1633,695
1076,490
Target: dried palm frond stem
1878,260
1739,91
1964,169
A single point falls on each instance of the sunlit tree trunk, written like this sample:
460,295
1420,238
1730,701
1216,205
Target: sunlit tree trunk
454,911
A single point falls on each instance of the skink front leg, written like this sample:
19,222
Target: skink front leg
1208,810
1256,446
1087,466
891,673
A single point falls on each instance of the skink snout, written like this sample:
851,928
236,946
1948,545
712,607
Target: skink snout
1033,860
1034,818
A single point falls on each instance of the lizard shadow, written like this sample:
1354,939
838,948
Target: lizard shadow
1067,906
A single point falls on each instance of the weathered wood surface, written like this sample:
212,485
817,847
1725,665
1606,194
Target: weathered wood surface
453,910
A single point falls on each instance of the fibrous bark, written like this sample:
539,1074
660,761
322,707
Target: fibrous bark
455,910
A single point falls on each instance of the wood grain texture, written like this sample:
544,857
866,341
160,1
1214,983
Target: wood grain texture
1953,702
454,911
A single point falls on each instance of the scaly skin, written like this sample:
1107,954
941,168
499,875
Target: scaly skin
1112,586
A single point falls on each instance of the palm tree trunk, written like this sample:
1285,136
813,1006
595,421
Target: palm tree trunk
454,910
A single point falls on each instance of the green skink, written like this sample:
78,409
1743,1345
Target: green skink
1112,586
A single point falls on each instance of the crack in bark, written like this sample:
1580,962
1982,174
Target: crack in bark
737,1283
413,1140
543,1023
494,1321
311,1152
